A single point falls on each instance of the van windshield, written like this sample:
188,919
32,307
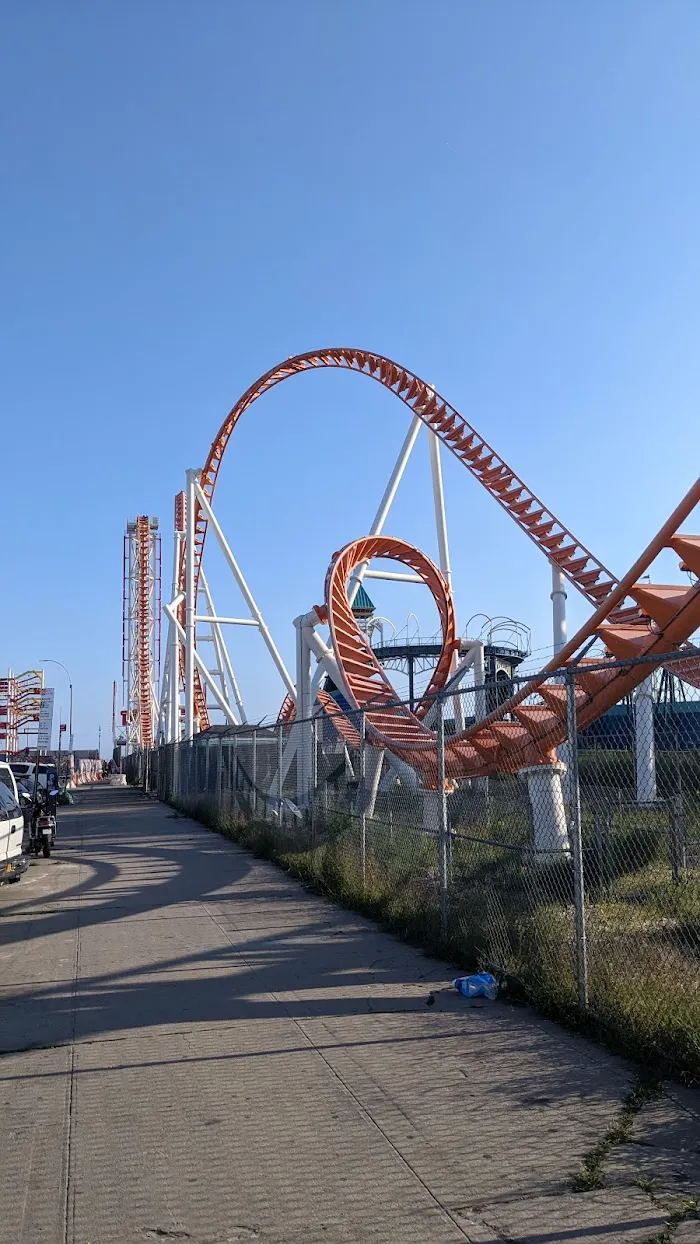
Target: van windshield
7,800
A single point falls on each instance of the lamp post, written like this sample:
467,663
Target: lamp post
50,661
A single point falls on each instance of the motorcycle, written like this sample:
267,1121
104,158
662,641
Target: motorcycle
42,830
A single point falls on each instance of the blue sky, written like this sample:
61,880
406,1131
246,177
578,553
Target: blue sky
504,197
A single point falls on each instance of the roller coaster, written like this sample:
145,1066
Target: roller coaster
631,618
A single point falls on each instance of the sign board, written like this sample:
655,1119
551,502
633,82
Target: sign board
43,740
62,727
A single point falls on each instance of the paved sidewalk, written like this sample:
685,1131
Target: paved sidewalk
195,1049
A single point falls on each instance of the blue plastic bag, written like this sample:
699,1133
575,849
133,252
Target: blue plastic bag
481,985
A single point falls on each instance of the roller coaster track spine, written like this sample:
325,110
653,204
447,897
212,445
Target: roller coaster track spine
631,618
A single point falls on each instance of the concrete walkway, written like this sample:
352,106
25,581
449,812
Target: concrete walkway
195,1049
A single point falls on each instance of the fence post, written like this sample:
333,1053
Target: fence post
678,852
314,780
280,757
443,829
363,814
234,776
254,772
576,843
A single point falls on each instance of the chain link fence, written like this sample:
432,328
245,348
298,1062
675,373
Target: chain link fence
576,882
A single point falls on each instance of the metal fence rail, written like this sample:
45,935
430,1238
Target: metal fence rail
578,879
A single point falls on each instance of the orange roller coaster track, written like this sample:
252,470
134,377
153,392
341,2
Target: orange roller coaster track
518,734
631,618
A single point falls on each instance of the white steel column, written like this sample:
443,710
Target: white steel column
217,640
190,604
439,502
174,650
163,704
222,650
558,598
207,677
248,595
480,712
479,681
367,793
323,654
302,724
386,502
644,741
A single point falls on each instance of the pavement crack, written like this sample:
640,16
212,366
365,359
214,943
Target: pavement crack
590,1177
161,1233
684,1213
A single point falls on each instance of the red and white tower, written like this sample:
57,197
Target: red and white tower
141,630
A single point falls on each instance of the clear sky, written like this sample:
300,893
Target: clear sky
503,196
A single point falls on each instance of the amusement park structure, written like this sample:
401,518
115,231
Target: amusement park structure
20,707
141,612
522,732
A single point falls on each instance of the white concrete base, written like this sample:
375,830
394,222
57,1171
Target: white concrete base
550,830
645,751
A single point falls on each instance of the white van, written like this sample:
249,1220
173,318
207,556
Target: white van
13,861
9,779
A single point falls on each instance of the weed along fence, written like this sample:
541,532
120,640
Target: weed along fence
576,880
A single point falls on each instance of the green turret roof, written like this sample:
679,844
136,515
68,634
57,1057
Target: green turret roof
362,606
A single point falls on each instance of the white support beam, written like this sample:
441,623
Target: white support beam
465,663
173,716
318,676
645,750
479,681
386,502
326,659
190,605
222,650
215,635
439,503
247,594
302,725
290,751
211,684
208,617
163,717
397,576
558,598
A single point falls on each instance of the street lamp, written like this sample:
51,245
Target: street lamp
50,661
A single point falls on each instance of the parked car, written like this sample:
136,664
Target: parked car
24,771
